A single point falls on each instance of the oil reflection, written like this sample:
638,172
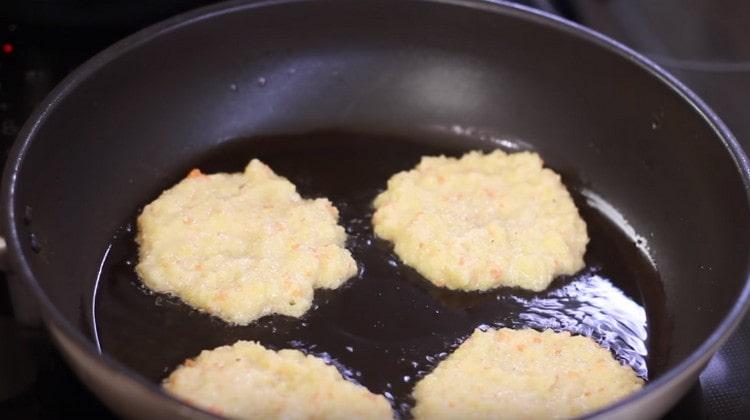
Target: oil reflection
592,306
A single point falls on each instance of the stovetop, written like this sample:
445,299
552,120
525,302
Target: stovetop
702,42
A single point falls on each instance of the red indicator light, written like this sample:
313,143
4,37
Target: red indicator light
8,48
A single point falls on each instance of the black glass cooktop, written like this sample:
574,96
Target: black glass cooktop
702,42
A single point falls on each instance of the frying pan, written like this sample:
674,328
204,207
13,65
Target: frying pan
125,124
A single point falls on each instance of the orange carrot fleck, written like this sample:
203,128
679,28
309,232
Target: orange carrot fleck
195,173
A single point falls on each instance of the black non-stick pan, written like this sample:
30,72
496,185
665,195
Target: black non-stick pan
337,96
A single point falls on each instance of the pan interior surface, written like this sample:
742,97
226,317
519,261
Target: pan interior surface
389,326
134,119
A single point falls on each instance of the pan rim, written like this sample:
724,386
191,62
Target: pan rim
38,117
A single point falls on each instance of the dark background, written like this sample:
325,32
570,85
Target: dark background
704,43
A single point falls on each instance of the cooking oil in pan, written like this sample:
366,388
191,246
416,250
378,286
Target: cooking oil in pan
387,327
